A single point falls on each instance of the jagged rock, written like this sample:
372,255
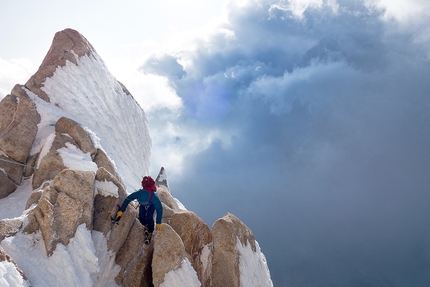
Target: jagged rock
105,203
6,185
8,106
134,257
197,239
65,204
170,206
18,128
31,165
161,179
34,198
121,230
169,252
67,45
78,133
9,227
102,160
6,258
17,138
225,265
52,163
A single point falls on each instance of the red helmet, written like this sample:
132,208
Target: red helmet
148,183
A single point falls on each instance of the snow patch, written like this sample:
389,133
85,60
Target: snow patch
74,158
253,267
183,276
76,264
106,188
9,276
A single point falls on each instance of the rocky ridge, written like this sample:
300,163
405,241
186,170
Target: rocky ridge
64,199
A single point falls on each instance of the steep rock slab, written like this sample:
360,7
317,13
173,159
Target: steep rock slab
109,193
67,45
102,161
197,239
52,163
120,231
65,204
169,252
7,186
134,257
17,138
225,265
18,129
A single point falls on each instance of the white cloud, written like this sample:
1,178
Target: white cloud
403,11
14,71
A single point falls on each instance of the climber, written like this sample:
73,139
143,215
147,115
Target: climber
148,203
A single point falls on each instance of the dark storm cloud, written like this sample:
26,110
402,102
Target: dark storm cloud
330,167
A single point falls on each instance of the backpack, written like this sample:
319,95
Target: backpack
149,184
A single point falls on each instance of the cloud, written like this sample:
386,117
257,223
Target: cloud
14,71
314,131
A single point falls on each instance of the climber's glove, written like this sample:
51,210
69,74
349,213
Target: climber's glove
118,216
159,227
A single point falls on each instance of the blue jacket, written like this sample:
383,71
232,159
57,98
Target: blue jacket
142,197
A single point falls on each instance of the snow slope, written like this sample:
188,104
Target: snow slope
89,94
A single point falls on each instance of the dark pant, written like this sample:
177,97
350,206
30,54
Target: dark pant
146,216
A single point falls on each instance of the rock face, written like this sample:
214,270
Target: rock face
65,198
226,231
18,129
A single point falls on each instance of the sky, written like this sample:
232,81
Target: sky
309,120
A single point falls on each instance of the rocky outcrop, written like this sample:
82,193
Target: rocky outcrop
170,206
64,205
67,45
197,239
18,129
169,252
225,265
9,227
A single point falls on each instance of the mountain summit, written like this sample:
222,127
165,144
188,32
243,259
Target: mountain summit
73,144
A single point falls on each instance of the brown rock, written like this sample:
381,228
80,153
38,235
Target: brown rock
8,106
120,231
134,257
17,138
105,205
197,239
169,252
52,163
225,265
78,133
6,185
102,161
170,206
9,227
65,204
65,45
33,199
